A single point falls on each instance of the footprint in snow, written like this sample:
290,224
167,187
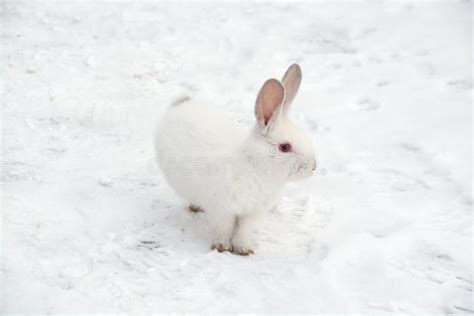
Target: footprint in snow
366,104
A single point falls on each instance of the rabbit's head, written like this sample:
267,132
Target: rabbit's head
285,147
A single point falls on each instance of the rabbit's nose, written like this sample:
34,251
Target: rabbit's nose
313,166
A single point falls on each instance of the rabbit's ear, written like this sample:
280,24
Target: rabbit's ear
291,81
269,99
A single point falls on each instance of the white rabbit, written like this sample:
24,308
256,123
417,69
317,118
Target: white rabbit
232,173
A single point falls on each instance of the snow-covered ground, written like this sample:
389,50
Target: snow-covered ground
89,224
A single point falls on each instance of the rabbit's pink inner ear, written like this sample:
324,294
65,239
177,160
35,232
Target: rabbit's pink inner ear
291,81
269,98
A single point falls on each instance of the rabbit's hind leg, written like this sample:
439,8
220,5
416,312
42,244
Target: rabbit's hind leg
195,209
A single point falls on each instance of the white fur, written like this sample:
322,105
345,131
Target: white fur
215,163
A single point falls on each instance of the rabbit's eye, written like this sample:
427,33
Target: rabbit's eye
284,147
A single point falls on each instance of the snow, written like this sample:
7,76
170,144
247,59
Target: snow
89,224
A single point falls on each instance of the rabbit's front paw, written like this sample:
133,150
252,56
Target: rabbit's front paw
221,246
243,249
